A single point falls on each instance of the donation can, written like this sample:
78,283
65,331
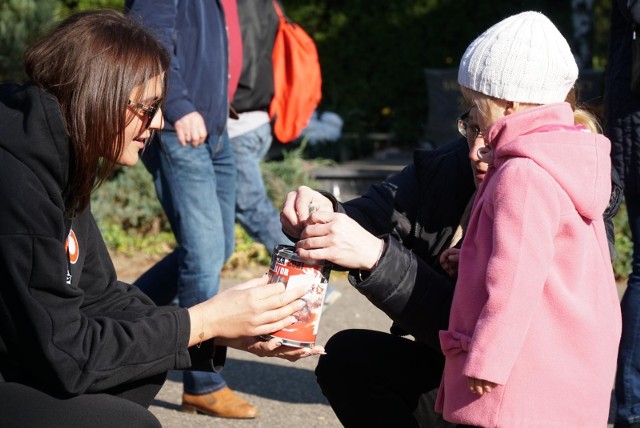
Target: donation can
292,270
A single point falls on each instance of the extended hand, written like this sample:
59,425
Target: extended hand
253,308
272,348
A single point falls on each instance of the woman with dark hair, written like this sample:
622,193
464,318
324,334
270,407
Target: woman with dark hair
78,347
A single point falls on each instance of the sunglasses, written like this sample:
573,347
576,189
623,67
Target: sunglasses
470,132
148,111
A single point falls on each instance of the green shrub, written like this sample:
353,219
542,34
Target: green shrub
21,23
280,177
624,245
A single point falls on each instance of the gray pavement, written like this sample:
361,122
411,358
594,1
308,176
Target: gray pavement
285,393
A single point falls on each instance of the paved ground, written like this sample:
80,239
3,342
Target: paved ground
286,393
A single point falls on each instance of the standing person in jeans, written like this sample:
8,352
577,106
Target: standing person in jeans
194,172
622,114
250,133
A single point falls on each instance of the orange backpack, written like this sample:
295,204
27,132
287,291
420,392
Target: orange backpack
296,77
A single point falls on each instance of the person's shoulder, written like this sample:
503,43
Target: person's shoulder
453,148
452,153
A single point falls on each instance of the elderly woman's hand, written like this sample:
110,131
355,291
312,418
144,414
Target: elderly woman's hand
297,207
339,239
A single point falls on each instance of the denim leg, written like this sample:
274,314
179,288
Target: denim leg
160,282
627,387
188,188
224,163
254,210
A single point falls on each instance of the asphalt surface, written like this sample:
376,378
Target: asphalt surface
285,393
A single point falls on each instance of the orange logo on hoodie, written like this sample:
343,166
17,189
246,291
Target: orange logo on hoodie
71,247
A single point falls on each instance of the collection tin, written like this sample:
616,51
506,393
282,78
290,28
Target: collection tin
287,267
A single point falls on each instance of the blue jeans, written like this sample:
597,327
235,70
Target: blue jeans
627,387
254,210
196,187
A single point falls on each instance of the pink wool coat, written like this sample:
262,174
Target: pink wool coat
535,308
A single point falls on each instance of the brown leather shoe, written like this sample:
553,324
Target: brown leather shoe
223,403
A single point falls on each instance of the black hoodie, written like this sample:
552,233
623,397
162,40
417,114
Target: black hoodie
67,325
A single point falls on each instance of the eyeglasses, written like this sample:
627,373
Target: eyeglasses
149,111
470,132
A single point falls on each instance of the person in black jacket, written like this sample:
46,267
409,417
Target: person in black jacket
77,346
622,127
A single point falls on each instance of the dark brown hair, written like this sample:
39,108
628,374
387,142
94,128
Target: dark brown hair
91,62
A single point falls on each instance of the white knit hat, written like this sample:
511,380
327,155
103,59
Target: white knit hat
522,58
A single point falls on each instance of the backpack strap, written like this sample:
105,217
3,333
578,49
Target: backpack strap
279,10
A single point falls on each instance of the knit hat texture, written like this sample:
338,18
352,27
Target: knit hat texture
522,58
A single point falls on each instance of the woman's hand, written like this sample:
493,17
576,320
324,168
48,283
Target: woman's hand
449,261
480,386
340,239
295,210
271,348
252,308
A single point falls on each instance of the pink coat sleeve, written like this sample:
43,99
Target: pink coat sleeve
524,211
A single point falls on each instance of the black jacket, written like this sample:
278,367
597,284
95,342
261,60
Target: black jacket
419,208
67,325
622,107
258,25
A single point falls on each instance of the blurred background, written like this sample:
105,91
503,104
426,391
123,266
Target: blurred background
389,77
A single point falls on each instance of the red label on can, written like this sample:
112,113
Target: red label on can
293,271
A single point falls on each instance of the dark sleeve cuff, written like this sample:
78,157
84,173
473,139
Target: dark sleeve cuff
209,357
337,206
